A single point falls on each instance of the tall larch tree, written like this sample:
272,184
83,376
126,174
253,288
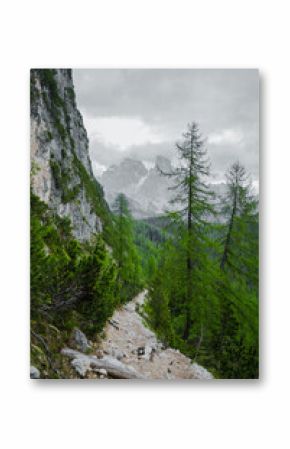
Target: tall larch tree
193,198
238,285
130,278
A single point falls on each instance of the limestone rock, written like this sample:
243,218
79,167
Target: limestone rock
102,372
99,353
115,352
61,166
141,356
34,372
200,372
81,340
83,363
142,350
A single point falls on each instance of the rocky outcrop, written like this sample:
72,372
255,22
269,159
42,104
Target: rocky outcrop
106,365
121,177
60,165
34,373
80,340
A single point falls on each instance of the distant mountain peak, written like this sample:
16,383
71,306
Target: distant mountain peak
163,163
132,162
146,189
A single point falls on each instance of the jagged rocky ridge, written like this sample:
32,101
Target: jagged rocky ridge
61,168
148,192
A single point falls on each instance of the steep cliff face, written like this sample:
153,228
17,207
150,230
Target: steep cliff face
61,169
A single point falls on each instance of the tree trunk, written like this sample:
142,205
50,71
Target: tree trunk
229,234
189,243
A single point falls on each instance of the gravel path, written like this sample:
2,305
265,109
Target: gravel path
131,342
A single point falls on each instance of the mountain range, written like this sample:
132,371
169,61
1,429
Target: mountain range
148,192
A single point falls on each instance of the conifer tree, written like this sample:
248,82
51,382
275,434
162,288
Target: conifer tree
125,251
193,198
238,284
240,209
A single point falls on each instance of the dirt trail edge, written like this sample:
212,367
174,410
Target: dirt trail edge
131,351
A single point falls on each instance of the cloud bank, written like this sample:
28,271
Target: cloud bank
140,113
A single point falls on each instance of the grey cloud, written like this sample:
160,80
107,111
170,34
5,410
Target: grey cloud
108,154
168,99
104,154
149,152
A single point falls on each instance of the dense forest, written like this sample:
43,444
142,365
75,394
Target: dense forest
204,282
199,263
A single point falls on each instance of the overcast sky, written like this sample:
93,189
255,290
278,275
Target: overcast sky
141,113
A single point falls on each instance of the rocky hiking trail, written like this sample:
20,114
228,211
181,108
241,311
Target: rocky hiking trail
131,351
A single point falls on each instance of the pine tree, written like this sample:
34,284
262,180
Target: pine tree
193,196
238,283
73,284
125,251
240,209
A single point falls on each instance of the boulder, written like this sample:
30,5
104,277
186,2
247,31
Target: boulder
81,364
114,323
101,371
119,355
201,373
81,341
34,372
99,353
116,369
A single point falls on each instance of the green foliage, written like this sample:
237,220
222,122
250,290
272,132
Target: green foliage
95,195
130,276
149,238
98,271
192,200
202,277
171,278
54,102
48,136
56,173
159,311
47,78
238,285
50,94
71,94
72,284
61,178
204,291
34,93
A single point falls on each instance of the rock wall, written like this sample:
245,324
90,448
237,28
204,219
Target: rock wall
61,172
